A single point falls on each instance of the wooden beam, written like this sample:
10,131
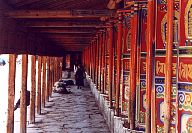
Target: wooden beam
23,107
61,23
33,89
11,93
70,37
66,35
39,85
76,43
64,30
61,14
72,44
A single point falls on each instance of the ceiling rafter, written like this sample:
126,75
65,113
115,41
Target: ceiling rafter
63,31
59,14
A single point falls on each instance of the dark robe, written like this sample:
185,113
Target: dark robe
79,77
27,101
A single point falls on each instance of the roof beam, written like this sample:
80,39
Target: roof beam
66,35
63,31
61,14
72,45
64,24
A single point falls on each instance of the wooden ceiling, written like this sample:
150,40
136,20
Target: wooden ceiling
69,23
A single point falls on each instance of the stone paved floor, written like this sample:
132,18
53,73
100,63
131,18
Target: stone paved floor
70,113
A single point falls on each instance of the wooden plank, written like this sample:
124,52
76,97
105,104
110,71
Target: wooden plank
33,89
48,79
39,85
50,14
11,93
23,107
44,81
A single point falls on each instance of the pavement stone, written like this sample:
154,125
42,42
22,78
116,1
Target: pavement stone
70,113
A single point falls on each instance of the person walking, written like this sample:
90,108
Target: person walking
80,76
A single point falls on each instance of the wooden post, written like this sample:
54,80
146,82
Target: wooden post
48,79
110,63
54,69
61,65
51,76
39,85
97,61
90,57
149,65
33,89
103,63
94,60
44,81
119,49
168,66
100,59
55,72
133,70
59,68
23,107
11,93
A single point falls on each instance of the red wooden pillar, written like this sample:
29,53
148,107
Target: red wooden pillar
48,79
33,89
168,65
90,57
23,107
97,61
133,69
11,93
149,67
91,60
110,63
100,59
59,67
44,81
39,85
53,60
95,58
119,52
104,63
55,69
51,76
